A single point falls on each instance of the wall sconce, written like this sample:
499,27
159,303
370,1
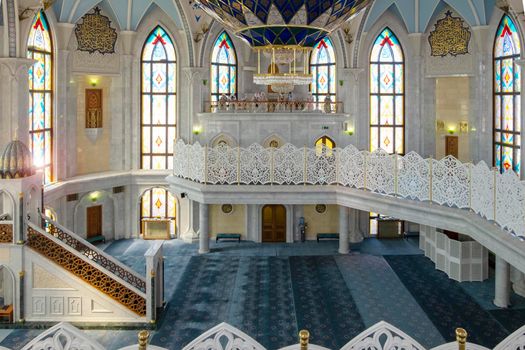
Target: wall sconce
341,82
463,127
197,129
94,196
451,129
348,127
204,82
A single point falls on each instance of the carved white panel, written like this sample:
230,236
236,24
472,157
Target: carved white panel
450,182
196,162
351,167
224,337
510,202
39,305
413,177
515,341
289,164
56,305
320,166
255,165
382,336
482,178
74,306
222,164
63,336
380,172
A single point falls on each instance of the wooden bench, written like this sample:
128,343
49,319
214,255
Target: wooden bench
6,311
327,236
228,236
96,239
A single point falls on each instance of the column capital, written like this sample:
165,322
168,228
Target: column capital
15,64
352,73
194,73
127,37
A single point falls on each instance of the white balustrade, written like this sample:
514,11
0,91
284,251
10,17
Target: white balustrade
448,182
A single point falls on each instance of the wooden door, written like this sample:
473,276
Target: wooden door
274,223
94,221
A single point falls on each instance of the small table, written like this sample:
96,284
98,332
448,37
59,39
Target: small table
7,311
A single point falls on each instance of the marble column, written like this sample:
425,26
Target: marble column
343,230
191,217
518,281
502,284
204,239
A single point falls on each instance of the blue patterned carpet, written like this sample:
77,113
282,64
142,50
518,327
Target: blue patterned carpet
271,291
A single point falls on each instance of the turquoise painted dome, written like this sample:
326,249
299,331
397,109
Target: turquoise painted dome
283,22
16,161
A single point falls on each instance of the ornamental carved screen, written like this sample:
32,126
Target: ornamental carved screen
93,108
95,33
450,37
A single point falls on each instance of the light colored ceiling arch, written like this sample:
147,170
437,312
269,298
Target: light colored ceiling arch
128,13
416,14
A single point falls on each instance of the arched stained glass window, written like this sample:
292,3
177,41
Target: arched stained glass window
328,144
158,203
40,49
387,98
507,100
159,107
322,68
223,68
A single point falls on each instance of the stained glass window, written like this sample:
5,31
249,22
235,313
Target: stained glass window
507,99
158,203
387,99
159,107
325,141
223,68
322,68
40,49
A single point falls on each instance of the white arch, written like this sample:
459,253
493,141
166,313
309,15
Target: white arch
138,208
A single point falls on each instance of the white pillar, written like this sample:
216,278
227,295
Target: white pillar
343,230
204,239
518,281
502,284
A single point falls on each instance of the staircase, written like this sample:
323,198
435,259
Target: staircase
101,271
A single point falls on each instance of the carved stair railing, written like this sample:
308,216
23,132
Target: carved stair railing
96,255
6,232
499,198
88,270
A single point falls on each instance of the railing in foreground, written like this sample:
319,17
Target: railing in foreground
448,182
63,255
96,255
381,336
273,107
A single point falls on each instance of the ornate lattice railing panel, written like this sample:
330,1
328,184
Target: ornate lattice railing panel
413,174
510,203
482,197
85,271
223,164
6,233
224,337
447,182
255,165
320,166
63,336
288,168
515,341
97,256
351,167
380,172
450,182
382,336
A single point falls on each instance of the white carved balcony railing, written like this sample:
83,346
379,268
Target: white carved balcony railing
381,336
448,182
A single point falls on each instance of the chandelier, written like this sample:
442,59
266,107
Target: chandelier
283,30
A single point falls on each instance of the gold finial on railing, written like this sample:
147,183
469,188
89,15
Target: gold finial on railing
304,337
143,340
461,338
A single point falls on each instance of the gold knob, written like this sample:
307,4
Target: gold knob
143,340
304,336
461,338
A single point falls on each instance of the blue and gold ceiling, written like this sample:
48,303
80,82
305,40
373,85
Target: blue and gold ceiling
282,22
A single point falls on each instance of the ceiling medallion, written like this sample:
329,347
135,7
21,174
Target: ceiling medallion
95,33
284,30
450,37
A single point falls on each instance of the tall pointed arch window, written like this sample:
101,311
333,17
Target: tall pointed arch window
387,94
159,108
507,100
322,68
223,68
40,49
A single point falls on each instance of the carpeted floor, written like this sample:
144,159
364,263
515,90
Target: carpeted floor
272,291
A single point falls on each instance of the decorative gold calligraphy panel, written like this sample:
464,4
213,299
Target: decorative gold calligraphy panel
95,33
450,37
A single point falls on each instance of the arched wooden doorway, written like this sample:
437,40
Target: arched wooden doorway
274,223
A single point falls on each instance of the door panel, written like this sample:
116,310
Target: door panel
94,221
274,223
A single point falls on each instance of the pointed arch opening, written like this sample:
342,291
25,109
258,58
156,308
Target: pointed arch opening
158,204
323,70
507,97
223,68
387,94
41,85
159,101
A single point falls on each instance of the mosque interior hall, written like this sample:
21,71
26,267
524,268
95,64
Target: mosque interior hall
262,175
